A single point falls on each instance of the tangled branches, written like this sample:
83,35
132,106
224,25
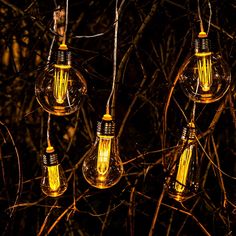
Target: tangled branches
153,40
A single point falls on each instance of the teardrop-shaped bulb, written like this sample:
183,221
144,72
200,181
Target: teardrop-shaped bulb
102,167
53,182
59,87
183,167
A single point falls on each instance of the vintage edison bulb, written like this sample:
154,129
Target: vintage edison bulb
183,168
204,77
102,167
60,87
53,182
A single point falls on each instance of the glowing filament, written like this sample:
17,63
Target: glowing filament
53,177
61,77
204,67
104,150
183,169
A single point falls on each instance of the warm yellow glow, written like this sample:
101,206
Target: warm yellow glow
183,169
53,177
61,77
101,178
204,67
202,34
104,150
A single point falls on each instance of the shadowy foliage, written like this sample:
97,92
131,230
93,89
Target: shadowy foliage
154,38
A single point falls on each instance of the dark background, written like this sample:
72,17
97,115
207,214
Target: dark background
154,38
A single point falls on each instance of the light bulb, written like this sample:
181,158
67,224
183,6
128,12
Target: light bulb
183,180
53,182
204,77
102,167
60,87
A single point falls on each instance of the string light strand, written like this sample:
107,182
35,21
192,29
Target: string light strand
53,38
48,131
66,23
200,17
114,58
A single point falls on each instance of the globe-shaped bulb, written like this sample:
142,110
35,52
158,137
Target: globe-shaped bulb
204,77
59,88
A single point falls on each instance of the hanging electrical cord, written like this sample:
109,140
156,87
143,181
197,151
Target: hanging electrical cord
48,131
55,19
66,23
200,17
114,58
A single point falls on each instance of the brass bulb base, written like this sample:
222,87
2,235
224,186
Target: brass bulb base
189,132
63,57
50,158
106,127
202,45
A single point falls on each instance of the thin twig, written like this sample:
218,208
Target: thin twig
220,174
46,219
190,214
20,177
65,211
154,219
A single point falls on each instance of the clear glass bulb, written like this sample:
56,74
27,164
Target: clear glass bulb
60,87
53,182
183,168
102,167
204,77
